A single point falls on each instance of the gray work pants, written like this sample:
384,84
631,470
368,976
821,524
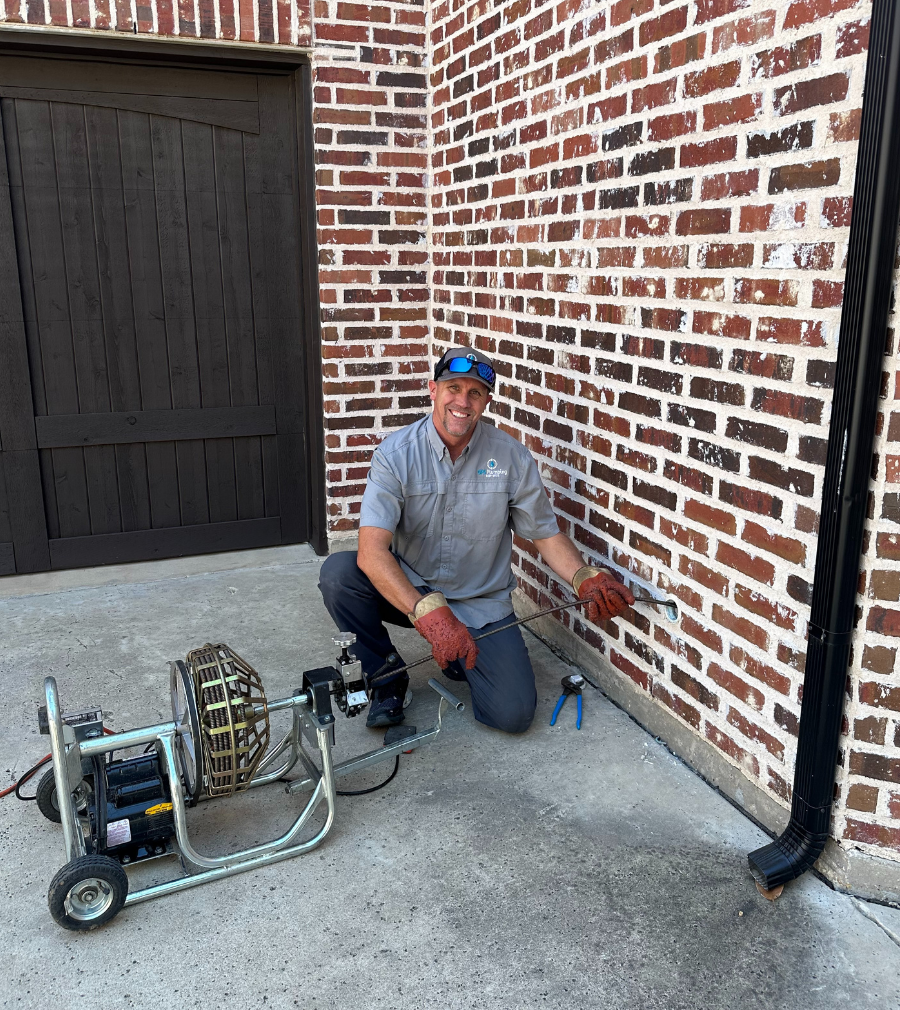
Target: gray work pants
502,683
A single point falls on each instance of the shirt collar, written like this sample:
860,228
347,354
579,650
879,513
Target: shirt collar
437,443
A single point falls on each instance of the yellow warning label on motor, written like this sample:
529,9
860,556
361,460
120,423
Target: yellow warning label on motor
160,808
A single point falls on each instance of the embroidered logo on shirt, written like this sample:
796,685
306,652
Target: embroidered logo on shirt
491,470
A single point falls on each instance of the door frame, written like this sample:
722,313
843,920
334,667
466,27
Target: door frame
292,62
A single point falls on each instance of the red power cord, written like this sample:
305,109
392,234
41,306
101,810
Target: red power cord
33,770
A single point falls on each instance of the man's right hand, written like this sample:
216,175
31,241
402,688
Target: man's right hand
448,637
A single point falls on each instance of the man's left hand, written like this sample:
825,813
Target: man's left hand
607,596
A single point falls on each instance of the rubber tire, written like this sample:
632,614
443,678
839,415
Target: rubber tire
104,868
46,797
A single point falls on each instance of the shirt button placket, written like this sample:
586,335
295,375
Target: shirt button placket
449,516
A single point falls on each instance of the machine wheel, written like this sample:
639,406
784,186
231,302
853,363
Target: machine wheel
87,892
47,802
188,745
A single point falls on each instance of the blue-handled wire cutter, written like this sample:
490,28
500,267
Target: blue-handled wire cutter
573,684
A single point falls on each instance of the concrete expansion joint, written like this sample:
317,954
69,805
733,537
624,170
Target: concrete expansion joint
864,909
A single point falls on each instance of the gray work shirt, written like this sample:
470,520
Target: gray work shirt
453,522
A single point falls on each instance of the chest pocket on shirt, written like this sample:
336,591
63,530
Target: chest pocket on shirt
420,500
486,510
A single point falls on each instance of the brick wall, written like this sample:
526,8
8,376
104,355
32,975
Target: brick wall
641,208
370,107
284,22
870,815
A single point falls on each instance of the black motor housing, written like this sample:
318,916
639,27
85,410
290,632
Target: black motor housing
131,808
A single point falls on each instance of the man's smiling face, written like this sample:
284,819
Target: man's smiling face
458,404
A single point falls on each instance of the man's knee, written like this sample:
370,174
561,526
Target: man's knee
515,717
337,573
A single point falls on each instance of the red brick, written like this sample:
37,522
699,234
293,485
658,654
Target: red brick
699,573
872,834
734,685
653,96
744,32
747,564
675,125
743,109
635,673
717,324
672,22
763,606
677,704
684,535
730,184
625,10
708,289
766,292
808,94
852,38
710,10
805,332
875,766
679,53
711,221
862,797
767,216
717,518
708,152
706,636
753,732
785,547
759,670
733,750
804,12
787,59
702,82
884,621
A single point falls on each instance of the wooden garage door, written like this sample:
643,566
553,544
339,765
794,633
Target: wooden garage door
153,357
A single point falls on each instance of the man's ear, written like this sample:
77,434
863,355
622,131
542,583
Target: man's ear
432,389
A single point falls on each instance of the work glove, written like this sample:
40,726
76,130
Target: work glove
448,637
608,597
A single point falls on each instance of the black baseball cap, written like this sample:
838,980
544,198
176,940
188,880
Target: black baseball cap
465,361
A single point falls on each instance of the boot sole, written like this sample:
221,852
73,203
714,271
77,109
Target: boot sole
384,719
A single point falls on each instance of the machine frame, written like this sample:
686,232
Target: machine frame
312,720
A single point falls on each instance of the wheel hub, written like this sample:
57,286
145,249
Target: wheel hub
88,899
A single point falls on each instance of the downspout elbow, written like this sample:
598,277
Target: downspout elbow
790,855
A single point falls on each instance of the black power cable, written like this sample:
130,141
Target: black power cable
32,771
371,789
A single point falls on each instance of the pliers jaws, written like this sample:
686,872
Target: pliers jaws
573,684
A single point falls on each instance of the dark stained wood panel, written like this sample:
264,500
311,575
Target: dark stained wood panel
126,78
153,426
233,115
176,542
19,460
158,331
7,559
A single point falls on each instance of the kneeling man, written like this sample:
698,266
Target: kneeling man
443,498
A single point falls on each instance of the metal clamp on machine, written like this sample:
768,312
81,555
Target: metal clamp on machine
115,812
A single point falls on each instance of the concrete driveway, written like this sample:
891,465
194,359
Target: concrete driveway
560,868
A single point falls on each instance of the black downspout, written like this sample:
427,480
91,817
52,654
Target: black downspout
848,466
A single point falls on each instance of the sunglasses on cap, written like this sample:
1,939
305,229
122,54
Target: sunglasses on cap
462,366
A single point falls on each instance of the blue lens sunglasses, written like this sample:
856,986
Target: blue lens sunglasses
463,365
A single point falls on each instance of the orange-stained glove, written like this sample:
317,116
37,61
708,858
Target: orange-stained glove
448,637
608,597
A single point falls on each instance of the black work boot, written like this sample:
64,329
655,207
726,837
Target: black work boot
390,698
